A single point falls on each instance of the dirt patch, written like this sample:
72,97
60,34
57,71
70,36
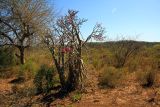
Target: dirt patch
130,93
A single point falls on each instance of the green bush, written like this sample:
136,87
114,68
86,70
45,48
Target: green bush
76,97
110,77
7,57
44,79
28,69
146,77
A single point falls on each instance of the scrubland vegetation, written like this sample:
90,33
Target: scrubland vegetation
51,65
38,78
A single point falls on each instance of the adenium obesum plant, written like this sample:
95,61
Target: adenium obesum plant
67,50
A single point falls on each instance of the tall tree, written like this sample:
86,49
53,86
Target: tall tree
21,21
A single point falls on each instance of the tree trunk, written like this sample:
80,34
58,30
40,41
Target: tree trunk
60,71
21,49
62,77
72,79
79,66
75,70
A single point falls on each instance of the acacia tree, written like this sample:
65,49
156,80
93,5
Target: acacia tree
122,50
20,22
65,44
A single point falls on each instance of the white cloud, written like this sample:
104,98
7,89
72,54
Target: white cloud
114,10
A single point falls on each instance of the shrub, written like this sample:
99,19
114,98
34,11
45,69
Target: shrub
7,57
123,50
97,64
76,97
28,69
146,77
110,77
133,64
44,79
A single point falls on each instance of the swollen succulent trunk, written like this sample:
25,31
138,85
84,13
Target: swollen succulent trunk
60,71
66,39
75,70
62,77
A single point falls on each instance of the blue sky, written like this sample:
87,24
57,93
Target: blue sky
126,17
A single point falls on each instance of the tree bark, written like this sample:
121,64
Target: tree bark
62,77
72,79
21,49
75,70
60,71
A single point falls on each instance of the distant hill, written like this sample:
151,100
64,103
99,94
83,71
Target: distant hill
110,43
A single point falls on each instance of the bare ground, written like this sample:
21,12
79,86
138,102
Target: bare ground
128,94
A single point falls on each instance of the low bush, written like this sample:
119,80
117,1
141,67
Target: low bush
133,64
97,64
146,77
76,97
7,57
110,77
44,79
28,70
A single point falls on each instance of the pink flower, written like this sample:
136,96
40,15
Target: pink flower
69,20
63,50
66,49
99,37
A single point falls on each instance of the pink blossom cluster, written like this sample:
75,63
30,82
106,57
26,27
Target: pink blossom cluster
67,49
99,37
69,20
71,16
